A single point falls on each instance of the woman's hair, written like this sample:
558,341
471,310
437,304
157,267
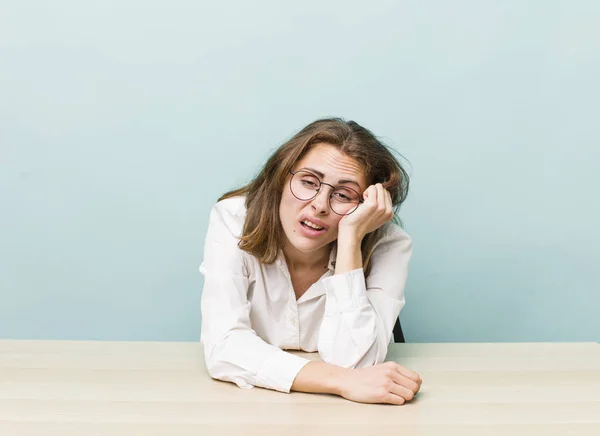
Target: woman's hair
262,235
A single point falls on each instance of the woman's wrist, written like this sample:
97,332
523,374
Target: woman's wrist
349,237
321,377
349,256
338,381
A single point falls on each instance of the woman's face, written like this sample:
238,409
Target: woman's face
332,167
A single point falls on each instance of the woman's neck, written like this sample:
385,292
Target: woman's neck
301,261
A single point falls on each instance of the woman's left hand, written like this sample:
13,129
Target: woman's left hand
375,211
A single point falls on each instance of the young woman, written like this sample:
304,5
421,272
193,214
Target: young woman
306,257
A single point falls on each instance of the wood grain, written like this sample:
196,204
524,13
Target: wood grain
144,388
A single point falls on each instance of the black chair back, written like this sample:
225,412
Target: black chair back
398,335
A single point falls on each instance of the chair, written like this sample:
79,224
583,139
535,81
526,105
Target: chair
398,335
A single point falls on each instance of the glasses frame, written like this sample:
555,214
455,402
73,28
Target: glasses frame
321,183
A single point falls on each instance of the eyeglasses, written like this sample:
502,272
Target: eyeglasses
305,186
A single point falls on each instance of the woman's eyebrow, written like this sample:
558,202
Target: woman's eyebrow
322,176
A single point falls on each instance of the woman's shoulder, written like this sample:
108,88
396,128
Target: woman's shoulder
230,213
393,233
232,206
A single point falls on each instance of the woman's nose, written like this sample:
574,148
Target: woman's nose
321,202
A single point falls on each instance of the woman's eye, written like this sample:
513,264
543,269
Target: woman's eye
309,183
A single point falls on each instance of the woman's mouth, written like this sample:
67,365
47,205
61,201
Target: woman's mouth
311,229
312,225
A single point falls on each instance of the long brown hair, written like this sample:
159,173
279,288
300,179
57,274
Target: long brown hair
262,235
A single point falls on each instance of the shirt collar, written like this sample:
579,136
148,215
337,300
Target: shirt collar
330,265
332,257
313,291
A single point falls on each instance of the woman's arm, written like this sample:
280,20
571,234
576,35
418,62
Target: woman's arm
234,353
384,383
360,312
232,350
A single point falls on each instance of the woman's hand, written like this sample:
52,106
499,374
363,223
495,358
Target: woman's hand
384,383
376,210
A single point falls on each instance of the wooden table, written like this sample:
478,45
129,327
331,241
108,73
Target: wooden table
142,388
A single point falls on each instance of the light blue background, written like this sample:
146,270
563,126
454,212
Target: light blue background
121,122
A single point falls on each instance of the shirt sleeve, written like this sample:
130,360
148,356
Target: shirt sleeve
360,313
232,349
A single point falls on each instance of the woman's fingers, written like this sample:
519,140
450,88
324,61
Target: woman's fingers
370,194
389,206
409,374
405,382
384,201
381,383
394,399
380,196
398,386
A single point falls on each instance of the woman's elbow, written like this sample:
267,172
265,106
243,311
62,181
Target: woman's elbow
211,360
348,357
219,368
216,364
374,355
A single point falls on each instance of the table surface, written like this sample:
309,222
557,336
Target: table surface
154,388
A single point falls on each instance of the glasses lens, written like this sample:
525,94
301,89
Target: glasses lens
344,200
305,185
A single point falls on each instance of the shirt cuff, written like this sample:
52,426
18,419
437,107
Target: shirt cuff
279,371
345,292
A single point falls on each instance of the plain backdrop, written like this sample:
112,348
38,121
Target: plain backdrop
121,122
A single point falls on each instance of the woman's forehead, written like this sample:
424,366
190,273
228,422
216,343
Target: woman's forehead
331,163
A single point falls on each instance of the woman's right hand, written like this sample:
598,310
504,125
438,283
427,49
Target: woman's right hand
384,383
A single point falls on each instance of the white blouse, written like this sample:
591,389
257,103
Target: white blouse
250,313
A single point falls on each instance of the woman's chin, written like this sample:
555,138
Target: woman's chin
308,246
